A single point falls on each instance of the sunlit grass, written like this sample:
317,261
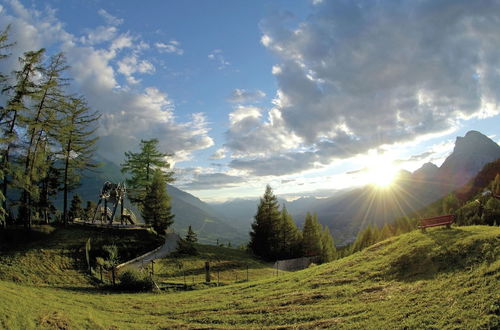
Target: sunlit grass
439,279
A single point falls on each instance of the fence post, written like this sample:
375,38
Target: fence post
218,278
247,272
207,271
152,267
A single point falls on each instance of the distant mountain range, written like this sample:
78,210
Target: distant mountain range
346,212
209,225
350,210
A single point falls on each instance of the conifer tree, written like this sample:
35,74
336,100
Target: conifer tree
75,210
328,251
41,123
311,236
77,140
89,210
263,235
11,117
289,238
141,166
157,209
187,245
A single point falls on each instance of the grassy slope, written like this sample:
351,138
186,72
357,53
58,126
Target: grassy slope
441,279
230,263
56,256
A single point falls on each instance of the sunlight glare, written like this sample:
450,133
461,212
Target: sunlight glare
381,172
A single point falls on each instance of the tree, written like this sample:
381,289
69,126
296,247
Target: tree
157,209
328,251
89,210
450,204
187,245
263,235
77,140
75,210
141,166
311,236
289,237
11,117
41,123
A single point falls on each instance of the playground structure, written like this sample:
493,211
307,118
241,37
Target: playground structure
113,194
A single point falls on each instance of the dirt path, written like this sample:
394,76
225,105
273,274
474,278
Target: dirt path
171,242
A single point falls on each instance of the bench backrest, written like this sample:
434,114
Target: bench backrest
443,219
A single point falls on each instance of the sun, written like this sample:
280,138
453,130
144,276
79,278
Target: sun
380,172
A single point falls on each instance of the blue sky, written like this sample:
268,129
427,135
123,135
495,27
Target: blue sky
292,93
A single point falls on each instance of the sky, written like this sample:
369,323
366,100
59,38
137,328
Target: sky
308,96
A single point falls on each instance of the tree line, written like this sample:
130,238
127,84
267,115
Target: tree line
47,136
275,235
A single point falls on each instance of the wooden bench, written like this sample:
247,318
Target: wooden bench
443,220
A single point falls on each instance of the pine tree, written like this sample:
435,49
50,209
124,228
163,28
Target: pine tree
140,166
157,209
77,140
311,236
263,238
187,245
328,251
75,210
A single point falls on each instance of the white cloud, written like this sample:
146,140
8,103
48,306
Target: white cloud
110,19
173,46
360,74
219,154
127,115
130,65
217,56
244,96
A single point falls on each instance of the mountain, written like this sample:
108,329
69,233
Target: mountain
348,211
470,154
208,224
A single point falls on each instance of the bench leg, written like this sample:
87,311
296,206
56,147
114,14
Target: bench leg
448,226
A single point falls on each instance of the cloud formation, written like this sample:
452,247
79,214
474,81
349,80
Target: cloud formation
217,56
128,115
359,74
172,47
244,96
213,181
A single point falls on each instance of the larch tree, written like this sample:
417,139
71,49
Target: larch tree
77,141
141,166
157,210
12,115
263,236
41,123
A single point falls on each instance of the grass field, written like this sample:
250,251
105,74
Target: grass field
226,266
439,279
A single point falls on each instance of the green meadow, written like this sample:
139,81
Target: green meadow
442,279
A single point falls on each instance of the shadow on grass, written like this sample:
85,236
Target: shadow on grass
425,262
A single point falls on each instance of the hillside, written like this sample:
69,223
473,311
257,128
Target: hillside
56,256
439,279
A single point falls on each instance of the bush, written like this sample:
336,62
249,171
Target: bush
135,280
